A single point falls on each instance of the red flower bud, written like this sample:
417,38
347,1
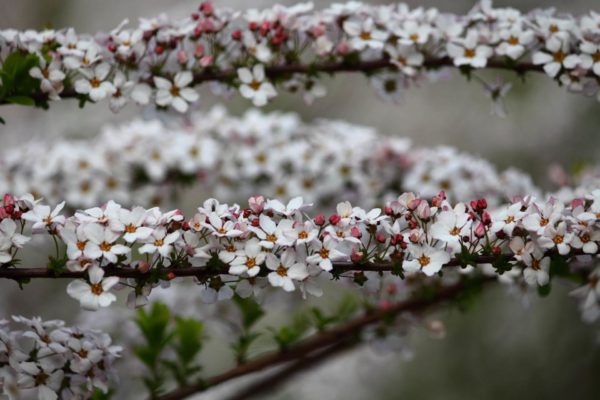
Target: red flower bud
236,35
319,220
335,219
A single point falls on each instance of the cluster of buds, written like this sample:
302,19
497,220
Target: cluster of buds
285,48
232,158
272,243
52,361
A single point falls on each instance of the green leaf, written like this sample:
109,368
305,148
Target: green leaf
21,100
250,309
188,339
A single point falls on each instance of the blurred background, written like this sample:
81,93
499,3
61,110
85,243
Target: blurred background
505,347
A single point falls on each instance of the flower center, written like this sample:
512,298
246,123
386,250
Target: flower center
174,91
596,56
82,353
41,379
535,264
585,238
365,35
414,37
510,219
130,228
254,85
105,246
159,242
558,239
281,271
95,82
553,28
424,260
302,235
324,253
454,231
559,56
513,40
469,53
544,221
251,263
96,289
81,245
271,238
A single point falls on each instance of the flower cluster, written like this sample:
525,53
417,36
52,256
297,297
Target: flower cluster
53,361
260,52
232,158
229,248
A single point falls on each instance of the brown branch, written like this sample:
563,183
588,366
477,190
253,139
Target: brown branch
276,71
322,340
280,377
200,272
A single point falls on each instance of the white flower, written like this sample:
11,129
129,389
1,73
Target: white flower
78,245
589,296
248,261
102,241
590,59
451,226
254,87
95,84
44,375
270,233
51,78
160,241
176,93
507,218
558,237
285,270
130,222
555,57
9,238
426,258
538,266
123,88
363,34
324,253
467,51
95,294
406,58
293,206
43,218
514,42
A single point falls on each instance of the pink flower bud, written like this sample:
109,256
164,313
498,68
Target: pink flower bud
343,47
385,304
574,204
182,57
143,266
380,237
414,236
480,230
319,220
355,232
206,8
257,204
356,256
391,289
207,61
236,35
335,219
424,211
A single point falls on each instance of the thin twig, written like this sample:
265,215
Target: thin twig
321,340
200,272
276,71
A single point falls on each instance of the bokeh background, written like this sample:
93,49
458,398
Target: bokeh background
505,347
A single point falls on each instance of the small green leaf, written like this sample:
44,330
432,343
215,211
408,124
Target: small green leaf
21,100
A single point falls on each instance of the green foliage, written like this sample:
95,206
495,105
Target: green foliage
161,332
345,310
100,395
287,335
252,312
16,85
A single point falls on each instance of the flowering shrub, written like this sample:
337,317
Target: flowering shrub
54,360
288,48
145,162
458,226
